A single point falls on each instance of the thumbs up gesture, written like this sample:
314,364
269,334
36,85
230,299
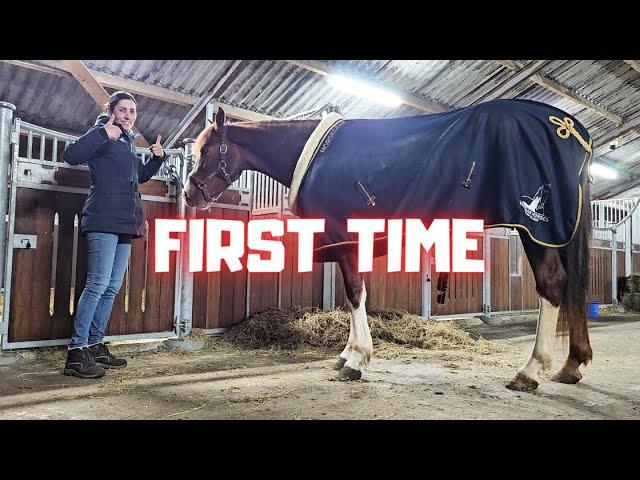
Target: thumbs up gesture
156,148
113,131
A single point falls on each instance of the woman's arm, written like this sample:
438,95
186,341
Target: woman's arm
149,169
82,149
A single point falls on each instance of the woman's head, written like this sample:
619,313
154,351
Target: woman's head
123,106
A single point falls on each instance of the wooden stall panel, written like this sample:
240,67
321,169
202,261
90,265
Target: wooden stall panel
219,298
600,276
30,318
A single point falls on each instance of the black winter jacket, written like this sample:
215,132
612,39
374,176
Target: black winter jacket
114,204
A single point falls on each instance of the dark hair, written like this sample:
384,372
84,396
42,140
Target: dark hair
116,97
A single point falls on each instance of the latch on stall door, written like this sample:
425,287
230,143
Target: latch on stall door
24,241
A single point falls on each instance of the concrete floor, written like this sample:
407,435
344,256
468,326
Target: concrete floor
224,383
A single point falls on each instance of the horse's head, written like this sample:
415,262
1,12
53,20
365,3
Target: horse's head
217,164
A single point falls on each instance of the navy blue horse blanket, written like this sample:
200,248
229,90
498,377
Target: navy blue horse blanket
513,163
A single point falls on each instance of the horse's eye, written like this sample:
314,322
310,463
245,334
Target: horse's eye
203,151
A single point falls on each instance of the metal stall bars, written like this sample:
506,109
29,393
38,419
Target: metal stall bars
39,169
613,223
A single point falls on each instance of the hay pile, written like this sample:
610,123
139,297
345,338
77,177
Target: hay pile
299,327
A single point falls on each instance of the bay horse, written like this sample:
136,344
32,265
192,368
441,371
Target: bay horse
276,148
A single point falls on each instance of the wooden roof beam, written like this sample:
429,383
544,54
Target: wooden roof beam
95,90
564,92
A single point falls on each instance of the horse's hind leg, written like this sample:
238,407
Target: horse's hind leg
551,281
359,348
579,352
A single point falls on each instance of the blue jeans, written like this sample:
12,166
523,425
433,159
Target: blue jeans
107,263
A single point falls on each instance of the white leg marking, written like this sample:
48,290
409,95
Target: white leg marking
362,345
541,355
347,349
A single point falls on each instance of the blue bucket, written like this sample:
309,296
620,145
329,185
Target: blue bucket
592,309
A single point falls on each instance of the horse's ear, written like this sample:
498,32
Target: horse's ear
220,118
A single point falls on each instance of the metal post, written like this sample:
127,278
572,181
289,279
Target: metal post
329,286
250,185
486,276
425,260
6,123
8,247
184,277
614,265
628,242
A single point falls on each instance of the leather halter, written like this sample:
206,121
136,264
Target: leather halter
220,172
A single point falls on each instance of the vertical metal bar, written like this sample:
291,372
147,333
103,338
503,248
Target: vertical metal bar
614,265
279,289
271,191
6,122
628,262
253,191
256,190
43,141
326,286
274,191
279,197
247,303
127,285
29,144
259,190
54,263
8,248
264,191
54,151
143,296
74,261
425,268
486,276
184,278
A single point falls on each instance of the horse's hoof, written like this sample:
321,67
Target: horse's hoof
522,383
339,364
349,374
566,377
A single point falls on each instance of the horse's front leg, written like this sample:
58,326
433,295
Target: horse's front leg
359,349
344,356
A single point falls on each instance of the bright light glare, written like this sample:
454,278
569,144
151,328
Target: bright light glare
364,90
603,171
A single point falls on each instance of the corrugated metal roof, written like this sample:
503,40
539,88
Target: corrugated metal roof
280,89
185,76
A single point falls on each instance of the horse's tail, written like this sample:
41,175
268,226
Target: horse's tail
573,309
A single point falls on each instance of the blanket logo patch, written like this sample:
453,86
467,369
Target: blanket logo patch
534,206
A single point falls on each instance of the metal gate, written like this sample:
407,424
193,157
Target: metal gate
45,256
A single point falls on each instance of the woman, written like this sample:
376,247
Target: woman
111,217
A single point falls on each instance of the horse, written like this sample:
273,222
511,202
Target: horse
283,150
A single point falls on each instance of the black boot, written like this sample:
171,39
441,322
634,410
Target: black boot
104,358
80,363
